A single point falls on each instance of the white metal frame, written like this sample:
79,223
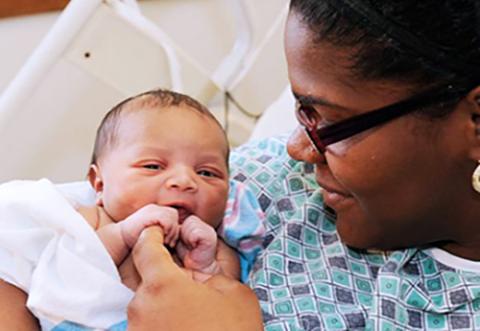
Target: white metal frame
22,101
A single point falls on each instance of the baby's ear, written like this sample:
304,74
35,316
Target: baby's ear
95,179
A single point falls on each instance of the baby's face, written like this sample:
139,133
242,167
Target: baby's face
170,157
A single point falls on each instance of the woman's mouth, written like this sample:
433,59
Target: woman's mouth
335,200
333,196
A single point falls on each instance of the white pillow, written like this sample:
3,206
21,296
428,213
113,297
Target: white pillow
278,118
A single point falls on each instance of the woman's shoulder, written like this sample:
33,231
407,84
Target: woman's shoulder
261,159
266,162
280,184
262,165
272,146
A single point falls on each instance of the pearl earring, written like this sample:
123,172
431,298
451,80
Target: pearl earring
476,179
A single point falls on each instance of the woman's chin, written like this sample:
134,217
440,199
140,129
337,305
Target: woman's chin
355,232
353,227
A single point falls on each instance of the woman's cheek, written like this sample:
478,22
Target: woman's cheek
338,149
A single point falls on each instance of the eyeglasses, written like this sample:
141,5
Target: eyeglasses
321,137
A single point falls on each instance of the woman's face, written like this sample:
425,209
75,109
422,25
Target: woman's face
393,185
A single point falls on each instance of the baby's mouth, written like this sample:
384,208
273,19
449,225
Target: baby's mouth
183,213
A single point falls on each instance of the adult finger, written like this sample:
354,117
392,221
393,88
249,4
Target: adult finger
128,273
152,259
242,297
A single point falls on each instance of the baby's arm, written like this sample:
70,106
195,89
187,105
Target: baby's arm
120,237
200,250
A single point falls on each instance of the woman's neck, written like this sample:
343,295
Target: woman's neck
465,230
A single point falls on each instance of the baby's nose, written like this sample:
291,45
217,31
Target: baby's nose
182,179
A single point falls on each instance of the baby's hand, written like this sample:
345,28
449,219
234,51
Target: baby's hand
146,216
197,247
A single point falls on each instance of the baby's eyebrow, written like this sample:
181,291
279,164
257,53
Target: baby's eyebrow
206,157
212,158
152,148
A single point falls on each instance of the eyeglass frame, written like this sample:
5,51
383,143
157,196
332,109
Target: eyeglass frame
321,137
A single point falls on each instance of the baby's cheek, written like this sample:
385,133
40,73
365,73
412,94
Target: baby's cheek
214,214
216,219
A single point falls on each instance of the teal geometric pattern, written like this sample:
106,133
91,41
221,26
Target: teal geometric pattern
70,326
306,279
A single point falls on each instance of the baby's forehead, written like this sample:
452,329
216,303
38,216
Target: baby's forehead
203,120
208,126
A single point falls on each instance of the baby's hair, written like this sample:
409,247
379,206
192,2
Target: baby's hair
154,99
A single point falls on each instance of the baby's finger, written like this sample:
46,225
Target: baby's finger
167,229
177,234
192,220
173,236
167,232
181,250
190,225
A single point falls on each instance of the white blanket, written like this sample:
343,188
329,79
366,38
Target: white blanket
48,250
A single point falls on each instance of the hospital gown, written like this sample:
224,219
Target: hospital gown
306,279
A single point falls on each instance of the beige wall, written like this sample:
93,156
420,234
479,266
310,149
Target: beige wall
57,136
201,27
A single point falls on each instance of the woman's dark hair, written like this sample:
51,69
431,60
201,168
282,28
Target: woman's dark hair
421,43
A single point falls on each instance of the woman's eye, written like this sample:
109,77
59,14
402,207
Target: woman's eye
206,173
312,119
306,115
324,122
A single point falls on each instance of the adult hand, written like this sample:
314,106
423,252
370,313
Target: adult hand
128,273
14,314
168,297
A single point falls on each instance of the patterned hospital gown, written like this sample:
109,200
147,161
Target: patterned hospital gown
306,279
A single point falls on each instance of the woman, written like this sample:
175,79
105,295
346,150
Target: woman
388,105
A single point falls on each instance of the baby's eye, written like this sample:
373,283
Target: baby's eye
206,173
152,166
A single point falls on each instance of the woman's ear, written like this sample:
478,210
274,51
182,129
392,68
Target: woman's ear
95,179
473,101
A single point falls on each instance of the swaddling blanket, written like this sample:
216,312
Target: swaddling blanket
48,250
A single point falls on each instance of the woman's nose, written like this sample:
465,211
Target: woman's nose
300,148
181,179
